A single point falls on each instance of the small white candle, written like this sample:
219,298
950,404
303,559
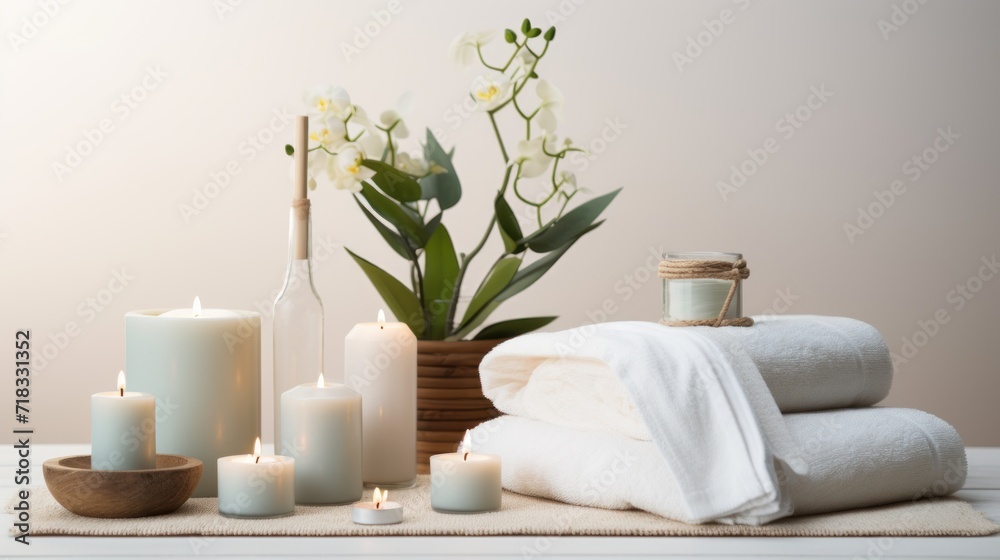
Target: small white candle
465,482
700,298
252,486
321,430
122,430
379,511
380,362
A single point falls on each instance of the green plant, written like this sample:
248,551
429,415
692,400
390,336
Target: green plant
404,195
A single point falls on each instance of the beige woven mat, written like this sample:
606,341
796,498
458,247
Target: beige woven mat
520,515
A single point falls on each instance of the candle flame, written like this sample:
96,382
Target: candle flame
256,451
466,447
196,307
380,497
319,382
121,383
381,319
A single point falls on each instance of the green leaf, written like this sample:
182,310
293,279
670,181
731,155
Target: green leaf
572,225
509,35
445,187
531,273
510,229
400,300
512,328
441,270
534,32
392,181
394,240
525,26
550,34
289,149
494,283
395,214
433,224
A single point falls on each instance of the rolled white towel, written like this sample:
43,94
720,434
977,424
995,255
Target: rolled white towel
857,458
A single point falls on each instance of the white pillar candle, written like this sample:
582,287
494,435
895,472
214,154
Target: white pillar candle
203,367
379,511
465,482
122,430
321,430
253,486
380,362
701,298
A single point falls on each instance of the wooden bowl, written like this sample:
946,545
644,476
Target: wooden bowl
91,493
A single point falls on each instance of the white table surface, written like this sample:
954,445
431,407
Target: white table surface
982,489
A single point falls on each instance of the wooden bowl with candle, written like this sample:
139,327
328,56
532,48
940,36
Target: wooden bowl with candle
116,494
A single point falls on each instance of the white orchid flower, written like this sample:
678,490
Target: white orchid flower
567,178
491,90
531,157
389,118
551,109
524,60
463,49
328,133
412,164
346,171
371,139
329,101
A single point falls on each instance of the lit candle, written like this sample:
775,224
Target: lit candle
203,366
254,486
465,482
380,362
379,511
321,430
122,430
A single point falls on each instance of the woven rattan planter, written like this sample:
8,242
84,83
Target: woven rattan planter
449,396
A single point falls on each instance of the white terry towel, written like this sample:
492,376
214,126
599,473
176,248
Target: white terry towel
713,419
806,362
857,458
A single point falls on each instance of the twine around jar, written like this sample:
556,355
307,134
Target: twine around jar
719,270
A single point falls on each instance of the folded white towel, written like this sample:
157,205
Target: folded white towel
857,458
806,362
712,418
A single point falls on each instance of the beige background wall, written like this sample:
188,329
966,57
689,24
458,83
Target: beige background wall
212,81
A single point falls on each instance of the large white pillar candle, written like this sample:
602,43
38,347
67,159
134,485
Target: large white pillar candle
465,482
122,430
321,430
203,367
380,362
252,486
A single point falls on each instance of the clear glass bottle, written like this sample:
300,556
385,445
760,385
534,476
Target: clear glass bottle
298,319
700,299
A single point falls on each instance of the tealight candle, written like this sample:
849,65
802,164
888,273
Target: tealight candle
465,482
321,430
379,511
254,486
122,430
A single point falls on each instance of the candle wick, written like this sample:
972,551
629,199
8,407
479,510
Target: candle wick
466,456
121,391
257,460
381,327
377,504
